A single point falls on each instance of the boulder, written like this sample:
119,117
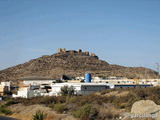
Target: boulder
146,108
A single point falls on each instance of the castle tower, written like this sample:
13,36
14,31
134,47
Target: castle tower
59,50
64,50
87,53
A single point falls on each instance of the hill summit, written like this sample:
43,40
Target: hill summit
72,63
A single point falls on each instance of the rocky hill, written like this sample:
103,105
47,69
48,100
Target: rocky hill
72,63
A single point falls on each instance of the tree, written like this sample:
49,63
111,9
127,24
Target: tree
66,90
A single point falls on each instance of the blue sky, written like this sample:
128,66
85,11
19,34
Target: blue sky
121,32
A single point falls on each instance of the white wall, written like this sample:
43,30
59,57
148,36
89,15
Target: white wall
37,82
80,88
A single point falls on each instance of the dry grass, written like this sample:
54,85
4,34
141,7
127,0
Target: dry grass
108,104
26,112
115,93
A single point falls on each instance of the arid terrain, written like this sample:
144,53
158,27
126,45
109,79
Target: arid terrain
73,64
105,105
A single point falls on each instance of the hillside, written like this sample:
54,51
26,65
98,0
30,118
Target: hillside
72,63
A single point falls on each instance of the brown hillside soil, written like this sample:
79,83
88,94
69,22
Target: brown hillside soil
73,64
26,112
117,93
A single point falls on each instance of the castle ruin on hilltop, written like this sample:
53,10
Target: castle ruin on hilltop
63,50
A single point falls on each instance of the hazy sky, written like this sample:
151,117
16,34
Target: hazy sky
124,32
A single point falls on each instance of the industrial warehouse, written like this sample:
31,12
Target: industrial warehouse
32,88
44,87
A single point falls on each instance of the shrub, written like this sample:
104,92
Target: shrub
65,90
51,106
109,115
71,99
122,105
41,100
4,110
88,103
39,115
86,112
60,108
93,113
10,102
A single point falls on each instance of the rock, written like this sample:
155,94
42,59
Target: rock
146,108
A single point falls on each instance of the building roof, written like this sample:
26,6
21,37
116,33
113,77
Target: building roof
38,78
79,84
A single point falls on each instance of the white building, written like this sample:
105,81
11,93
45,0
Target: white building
97,79
79,78
25,93
6,84
37,82
80,88
4,88
31,91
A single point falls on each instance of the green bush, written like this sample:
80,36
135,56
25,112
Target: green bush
10,102
65,90
39,115
86,112
71,99
41,100
60,108
4,110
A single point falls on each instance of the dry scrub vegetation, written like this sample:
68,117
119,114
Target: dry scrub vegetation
98,106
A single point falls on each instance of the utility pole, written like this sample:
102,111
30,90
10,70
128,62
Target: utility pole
157,64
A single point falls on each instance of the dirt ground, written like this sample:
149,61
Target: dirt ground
115,93
26,112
